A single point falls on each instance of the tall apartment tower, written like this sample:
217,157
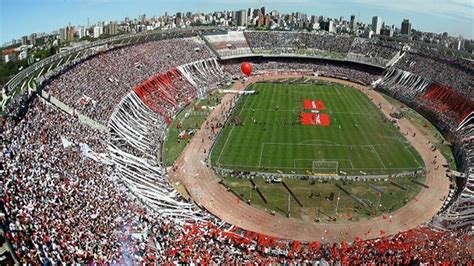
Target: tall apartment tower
242,18
406,27
376,24
352,23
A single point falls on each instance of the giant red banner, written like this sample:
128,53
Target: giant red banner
313,105
314,119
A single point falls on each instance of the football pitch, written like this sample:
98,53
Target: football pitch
264,134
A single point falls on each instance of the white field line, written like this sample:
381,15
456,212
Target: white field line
378,156
228,136
284,167
371,147
413,156
331,112
335,144
225,145
326,159
261,154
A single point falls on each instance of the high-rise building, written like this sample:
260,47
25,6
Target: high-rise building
178,18
376,24
331,27
24,40
328,25
111,28
268,21
406,27
387,31
367,33
33,39
142,18
315,26
66,34
81,32
69,33
304,17
352,24
242,18
256,13
459,43
263,10
250,13
97,31
260,21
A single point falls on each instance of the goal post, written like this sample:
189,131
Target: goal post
323,167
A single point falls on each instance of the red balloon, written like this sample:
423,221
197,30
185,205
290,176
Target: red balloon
246,68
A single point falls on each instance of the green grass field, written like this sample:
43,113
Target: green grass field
270,138
428,129
188,118
315,195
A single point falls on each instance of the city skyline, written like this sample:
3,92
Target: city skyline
18,15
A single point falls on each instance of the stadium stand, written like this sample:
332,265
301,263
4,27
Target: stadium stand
108,77
354,72
232,43
138,130
448,105
136,136
322,44
205,75
402,84
372,51
72,194
450,108
438,67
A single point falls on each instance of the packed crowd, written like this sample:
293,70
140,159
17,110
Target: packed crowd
445,100
452,110
96,85
460,212
67,201
354,73
440,67
448,105
229,44
53,194
375,48
167,93
67,208
373,51
135,145
298,42
205,75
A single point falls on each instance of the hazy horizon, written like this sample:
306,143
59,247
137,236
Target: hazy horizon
23,17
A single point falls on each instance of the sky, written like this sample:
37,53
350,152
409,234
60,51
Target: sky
23,17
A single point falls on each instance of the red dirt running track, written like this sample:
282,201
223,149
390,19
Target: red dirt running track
202,185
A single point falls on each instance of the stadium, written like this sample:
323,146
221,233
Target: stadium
155,147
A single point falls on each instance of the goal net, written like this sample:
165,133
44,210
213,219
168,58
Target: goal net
323,167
